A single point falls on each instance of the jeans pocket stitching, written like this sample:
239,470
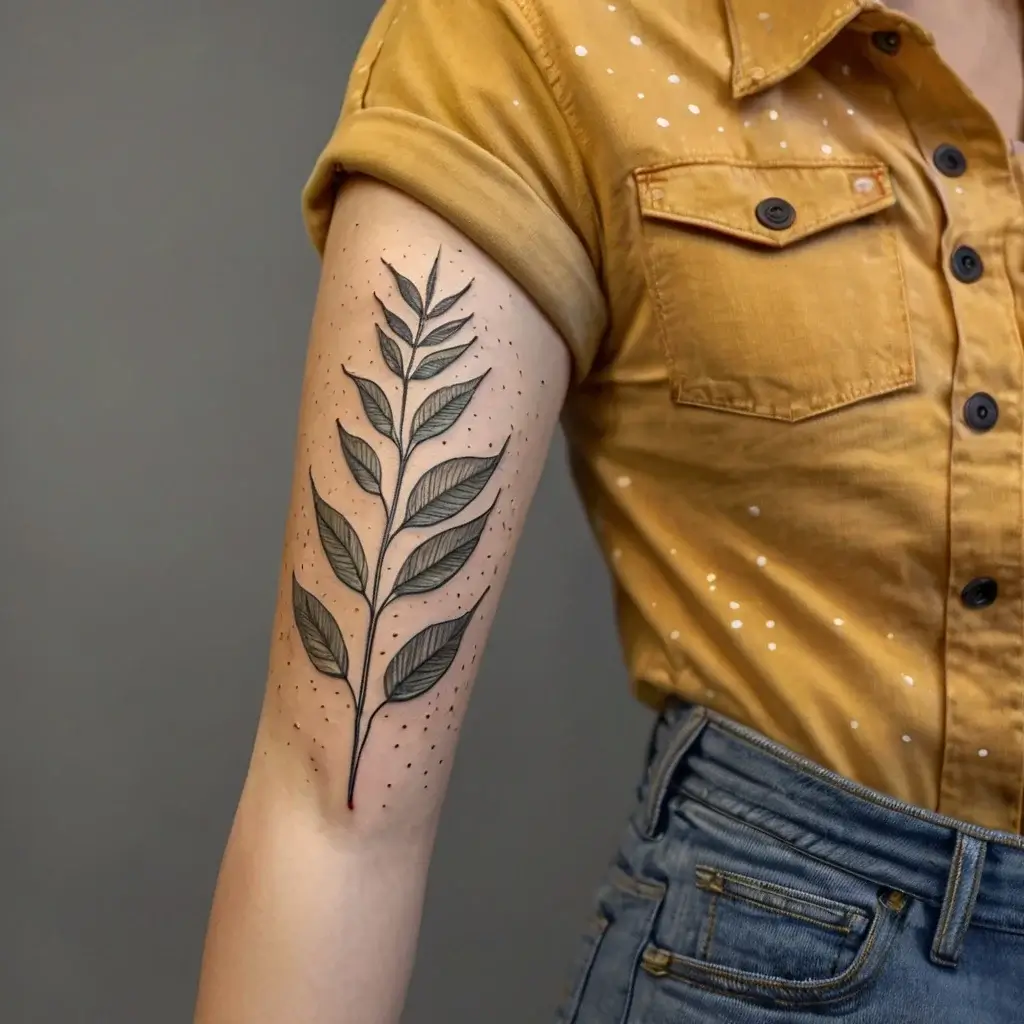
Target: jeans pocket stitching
870,959
731,884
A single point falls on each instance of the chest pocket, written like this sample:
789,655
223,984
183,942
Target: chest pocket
777,286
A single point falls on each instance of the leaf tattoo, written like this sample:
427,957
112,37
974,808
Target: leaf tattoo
408,290
446,490
432,365
375,405
425,658
340,543
396,323
391,354
441,493
438,559
320,633
361,459
441,410
450,303
439,335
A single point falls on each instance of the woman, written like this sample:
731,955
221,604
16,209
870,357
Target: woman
764,260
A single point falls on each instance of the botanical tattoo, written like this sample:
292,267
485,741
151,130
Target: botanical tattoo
440,494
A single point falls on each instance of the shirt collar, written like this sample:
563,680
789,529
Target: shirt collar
773,38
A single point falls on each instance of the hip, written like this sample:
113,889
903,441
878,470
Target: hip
752,885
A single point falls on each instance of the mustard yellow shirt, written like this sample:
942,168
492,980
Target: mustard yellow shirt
785,245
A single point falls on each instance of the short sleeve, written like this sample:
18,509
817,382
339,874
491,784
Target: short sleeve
453,102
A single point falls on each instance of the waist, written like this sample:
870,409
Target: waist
701,756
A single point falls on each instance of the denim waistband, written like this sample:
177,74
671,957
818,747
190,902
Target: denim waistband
975,874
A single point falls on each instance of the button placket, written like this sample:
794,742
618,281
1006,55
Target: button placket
982,775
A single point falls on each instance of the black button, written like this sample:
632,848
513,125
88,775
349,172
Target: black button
775,213
980,593
887,42
966,264
949,160
981,411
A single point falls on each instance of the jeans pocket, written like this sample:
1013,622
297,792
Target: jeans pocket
608,955
752,917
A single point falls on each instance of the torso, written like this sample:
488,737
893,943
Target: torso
982,41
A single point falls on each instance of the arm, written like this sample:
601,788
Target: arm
424,426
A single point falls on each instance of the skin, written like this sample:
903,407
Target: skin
377,639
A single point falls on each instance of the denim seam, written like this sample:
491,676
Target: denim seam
881,883
819,773
705,948
968,911
847,913
851,972
949,902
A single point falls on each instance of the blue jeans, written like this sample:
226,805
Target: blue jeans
753,885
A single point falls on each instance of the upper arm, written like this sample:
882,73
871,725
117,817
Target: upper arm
432,389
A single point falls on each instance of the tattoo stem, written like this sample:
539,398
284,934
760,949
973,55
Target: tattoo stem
375,611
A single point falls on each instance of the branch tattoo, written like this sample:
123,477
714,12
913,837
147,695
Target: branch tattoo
441,493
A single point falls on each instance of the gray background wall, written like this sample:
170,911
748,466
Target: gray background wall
157,288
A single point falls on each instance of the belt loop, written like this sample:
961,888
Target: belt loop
687,730
961,895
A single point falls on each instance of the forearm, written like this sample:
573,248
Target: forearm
312,922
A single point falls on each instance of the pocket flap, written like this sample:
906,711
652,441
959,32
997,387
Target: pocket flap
723,195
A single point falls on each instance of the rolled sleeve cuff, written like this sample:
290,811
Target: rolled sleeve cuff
481,196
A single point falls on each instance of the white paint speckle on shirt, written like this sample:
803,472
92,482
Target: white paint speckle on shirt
770,624
905,738
663,122
838,622
623,481
909,680
783,145
826,149
674,79
712,577
754,510
854,724
736,624
734,605
636,40
762,561
581,51
773,115
674,635
693,108
772,646
983,752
